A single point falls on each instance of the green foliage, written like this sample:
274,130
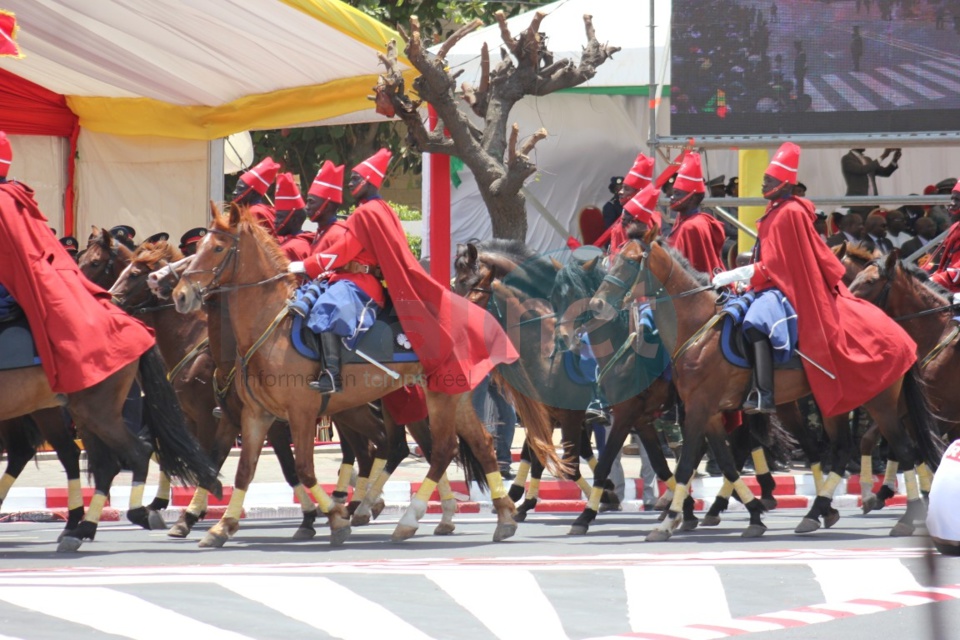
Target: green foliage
406,213
415,243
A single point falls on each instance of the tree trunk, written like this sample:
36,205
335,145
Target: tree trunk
508,214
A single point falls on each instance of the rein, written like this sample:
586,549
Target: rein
193,353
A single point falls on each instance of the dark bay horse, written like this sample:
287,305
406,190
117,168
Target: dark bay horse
240,259
708,385
104,258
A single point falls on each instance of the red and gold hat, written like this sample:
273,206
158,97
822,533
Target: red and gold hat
374,168
329,182
6,155
643,206
641,174
261,176
287,196
785,163
690,175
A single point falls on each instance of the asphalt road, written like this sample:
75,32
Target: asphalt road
539,584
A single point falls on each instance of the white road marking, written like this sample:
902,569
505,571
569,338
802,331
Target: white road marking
885,91
660,597
848,93
843,580
818,102
911,84
933,77
945,68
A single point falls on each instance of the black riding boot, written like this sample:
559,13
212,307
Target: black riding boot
329,381
760,398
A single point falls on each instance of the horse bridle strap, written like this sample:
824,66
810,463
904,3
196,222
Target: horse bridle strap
187,358
219,269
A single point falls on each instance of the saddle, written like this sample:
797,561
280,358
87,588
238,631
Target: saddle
733,341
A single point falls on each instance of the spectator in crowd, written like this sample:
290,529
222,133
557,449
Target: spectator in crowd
897,228
851,230
860,173
926,230
612,208
856,48
875,233
503,427
820,225
939,212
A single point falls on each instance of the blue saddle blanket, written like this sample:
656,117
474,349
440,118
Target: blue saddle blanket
768,312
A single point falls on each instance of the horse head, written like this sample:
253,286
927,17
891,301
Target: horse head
104,258
573,288
854,259
131,292
621,278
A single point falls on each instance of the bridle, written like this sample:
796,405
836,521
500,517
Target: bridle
231,257
150,304
883,298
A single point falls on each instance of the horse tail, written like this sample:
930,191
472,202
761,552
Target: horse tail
176,448
472,469
921,415
770,433
533,416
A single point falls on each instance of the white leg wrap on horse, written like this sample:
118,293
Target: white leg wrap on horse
672,483
679,495
534,490
235,508
523,470
449,506
374,489
759,461
198,504
830,485
743,490
890,474
866,476
324,501
74,494
344,477
96,507
585,487
592,463
594,501
416,510
817,472
361,489
377,468
163,488
136,494
306,502
726,489
495,480
5,483
913,489
926,477
426,490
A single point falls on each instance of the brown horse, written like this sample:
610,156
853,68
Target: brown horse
925,311
708,385
239,258
104,258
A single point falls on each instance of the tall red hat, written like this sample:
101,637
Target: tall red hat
6,155
956,187
643,206
261,176
287,196
690,175
641,173
329,182
785,163
374,168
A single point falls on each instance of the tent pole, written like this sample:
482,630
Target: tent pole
652,87
439,211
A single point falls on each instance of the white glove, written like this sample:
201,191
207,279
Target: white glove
296,267
956,298
740,274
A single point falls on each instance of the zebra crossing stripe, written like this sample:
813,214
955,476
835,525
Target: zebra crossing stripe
911,84
888,92
818,102
938,80
945,68
874,578
848,93
85,606
665,593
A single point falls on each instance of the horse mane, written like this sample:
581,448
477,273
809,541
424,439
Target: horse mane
859,252
264,238
701,278
535,273
150,252
919,275
582,281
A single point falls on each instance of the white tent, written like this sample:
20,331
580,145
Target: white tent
149,84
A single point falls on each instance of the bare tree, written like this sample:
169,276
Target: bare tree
500,163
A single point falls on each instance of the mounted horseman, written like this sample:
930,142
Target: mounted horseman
639,176
946,273
291,214
251,192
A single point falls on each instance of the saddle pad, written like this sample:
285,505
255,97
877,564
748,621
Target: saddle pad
384,342
733,345
580,370
17,349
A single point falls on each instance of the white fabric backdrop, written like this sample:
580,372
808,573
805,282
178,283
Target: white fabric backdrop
41,163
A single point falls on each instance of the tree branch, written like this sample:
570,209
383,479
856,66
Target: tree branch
457,36
564,74
505,32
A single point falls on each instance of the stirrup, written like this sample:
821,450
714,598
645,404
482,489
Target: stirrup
755,403
326,383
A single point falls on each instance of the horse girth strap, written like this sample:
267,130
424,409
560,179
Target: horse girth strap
221,392
187,358
245,359
696,336
619,354
943,344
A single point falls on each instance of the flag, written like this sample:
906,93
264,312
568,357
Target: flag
8,35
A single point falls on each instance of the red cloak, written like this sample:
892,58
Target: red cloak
321,258
699,238
457,342
618,237
81,337
297,246
947,273
853,339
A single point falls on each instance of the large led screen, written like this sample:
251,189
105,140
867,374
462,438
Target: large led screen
744,67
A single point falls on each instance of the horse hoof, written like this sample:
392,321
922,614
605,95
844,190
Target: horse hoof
212,541
769,503
578,530
304,533
178,530
902,530
689,525
504,531
871,503
69,544
155,520
339,536
607,507
807,525
66,533
658,535
520,516
444,529
832,518
377,508
710,521
754,531
359,520
403,532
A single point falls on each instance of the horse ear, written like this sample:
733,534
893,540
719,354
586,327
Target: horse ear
651,234
234,214
472,253
590,264
214,211
106,237
840,250
890,264
556,264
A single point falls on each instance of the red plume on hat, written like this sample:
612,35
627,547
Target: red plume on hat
329,182
374,168
261,176
641,174
6,155
287,196
785,163
690,175
643,206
